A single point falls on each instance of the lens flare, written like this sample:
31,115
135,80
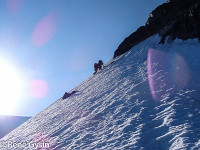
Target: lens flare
38,88
167,72
43,142
181,72
14,6
45,30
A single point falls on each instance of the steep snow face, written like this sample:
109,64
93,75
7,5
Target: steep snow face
148,98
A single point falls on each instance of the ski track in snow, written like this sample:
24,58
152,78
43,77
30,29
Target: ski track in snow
114,110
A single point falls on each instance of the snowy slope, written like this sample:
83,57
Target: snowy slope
148,98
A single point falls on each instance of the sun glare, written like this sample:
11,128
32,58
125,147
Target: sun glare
11,85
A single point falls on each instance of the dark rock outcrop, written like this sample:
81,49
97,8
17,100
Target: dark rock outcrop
66,95
176,18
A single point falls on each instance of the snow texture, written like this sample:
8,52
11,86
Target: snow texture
133,103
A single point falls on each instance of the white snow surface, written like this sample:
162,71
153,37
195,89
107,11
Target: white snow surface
115,109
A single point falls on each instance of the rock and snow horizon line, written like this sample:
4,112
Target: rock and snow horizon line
174,19
9,123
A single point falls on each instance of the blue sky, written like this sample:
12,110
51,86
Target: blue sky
53,44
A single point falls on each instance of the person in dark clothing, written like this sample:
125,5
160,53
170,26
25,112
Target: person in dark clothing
100,64
66,95
96,66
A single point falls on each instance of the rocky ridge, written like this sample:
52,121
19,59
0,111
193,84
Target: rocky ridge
175,18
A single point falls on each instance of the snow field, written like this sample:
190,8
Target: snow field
115,109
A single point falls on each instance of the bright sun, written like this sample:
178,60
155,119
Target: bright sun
11,85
